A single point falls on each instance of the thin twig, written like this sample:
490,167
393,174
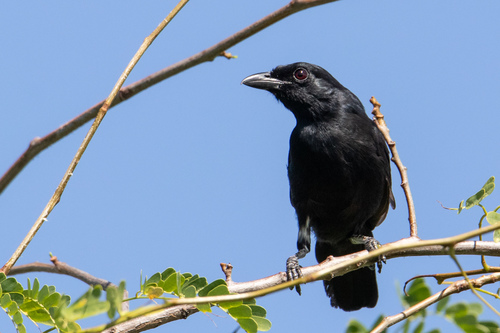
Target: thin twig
454,288
441,277
59,267
469,282
100,116
37,145
382,126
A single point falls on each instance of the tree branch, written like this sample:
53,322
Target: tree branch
176,309
441,277
180,309
382,126
59,267
54,200
454,288
37,145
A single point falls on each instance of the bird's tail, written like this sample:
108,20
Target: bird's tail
351,291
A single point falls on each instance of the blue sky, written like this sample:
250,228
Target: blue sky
192,172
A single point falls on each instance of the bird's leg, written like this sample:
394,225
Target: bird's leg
370,244
293,269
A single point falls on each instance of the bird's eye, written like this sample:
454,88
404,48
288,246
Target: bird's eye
301,74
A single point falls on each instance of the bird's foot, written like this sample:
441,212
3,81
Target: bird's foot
293,271
370,244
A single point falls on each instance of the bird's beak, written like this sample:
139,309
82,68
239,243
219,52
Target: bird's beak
262,81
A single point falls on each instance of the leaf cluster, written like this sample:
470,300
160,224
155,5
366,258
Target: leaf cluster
250,317
491,217
41,305
465,316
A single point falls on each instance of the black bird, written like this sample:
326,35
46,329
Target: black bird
339,173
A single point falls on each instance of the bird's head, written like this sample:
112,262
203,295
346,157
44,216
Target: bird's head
307,90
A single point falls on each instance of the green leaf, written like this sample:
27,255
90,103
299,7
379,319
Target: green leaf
166,273
249,301
52,300
220,290
475,309
475,199
230,304
44,292
197,282
434,331
31,305
40,316
489,186
179,282
115,298
17,318
486,190
170,285
490,325
5,301
473,329
496,236
35,289
460,207
212,285
263,324
190,291
242,311
418,291
18,298
12,308
204,307
441,305
248,324
11,285
258,311
355,326
86,306
153,292
493,217
419,328
153,279
21,328
456,310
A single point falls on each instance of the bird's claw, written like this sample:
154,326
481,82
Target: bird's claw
293,271
370,244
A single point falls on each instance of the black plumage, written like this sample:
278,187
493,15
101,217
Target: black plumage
339,172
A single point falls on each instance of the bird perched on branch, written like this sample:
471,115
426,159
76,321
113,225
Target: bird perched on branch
339,173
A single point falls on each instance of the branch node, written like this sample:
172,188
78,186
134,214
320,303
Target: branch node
35,141
228,55
227,269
